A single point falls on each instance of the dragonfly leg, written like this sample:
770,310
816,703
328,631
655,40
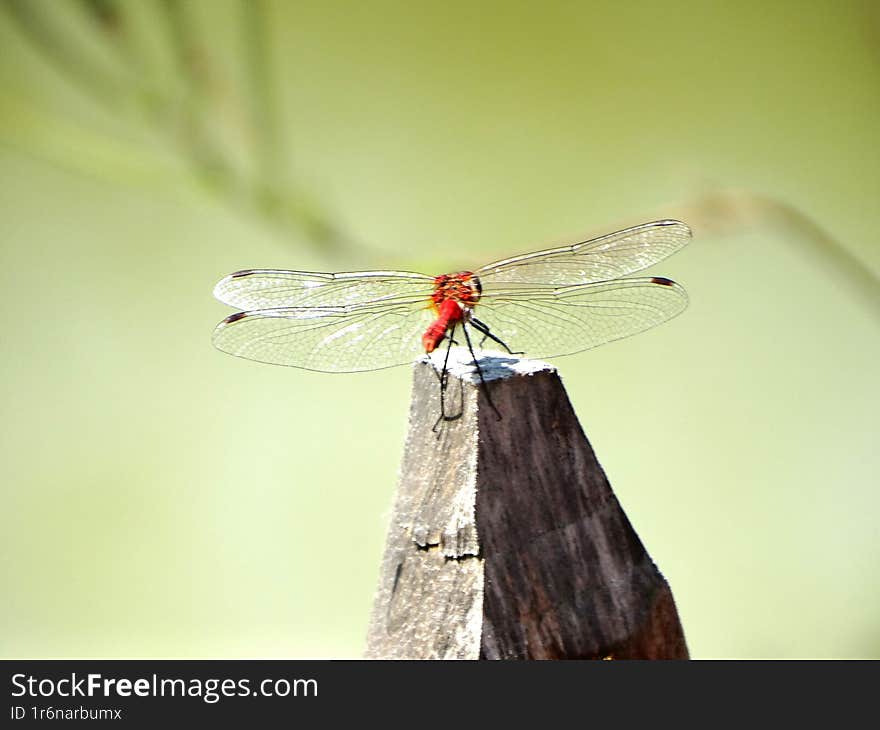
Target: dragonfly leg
444,381
450,341
467,338
484,330
443,415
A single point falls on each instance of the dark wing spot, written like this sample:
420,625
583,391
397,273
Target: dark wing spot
235,317
662,281
239,274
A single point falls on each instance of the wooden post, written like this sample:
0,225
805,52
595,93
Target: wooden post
506,541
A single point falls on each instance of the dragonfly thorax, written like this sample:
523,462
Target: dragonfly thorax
462,287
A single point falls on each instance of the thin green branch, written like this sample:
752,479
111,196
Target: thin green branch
208,162
732,210
268,138
49,28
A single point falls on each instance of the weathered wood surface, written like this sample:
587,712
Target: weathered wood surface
506,540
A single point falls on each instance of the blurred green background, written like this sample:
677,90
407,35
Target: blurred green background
163,499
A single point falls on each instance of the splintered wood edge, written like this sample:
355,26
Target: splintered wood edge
494,364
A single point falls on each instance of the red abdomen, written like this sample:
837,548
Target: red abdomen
450,311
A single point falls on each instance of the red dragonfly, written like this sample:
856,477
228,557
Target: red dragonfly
549,303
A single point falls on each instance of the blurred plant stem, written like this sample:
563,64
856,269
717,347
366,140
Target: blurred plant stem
270,148
733,211
148,66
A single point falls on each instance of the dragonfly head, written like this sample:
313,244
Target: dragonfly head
463,287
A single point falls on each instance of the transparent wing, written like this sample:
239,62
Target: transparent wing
548,323
328,339
601,259
272,288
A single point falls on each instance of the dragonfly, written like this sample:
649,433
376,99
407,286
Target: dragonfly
547,304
